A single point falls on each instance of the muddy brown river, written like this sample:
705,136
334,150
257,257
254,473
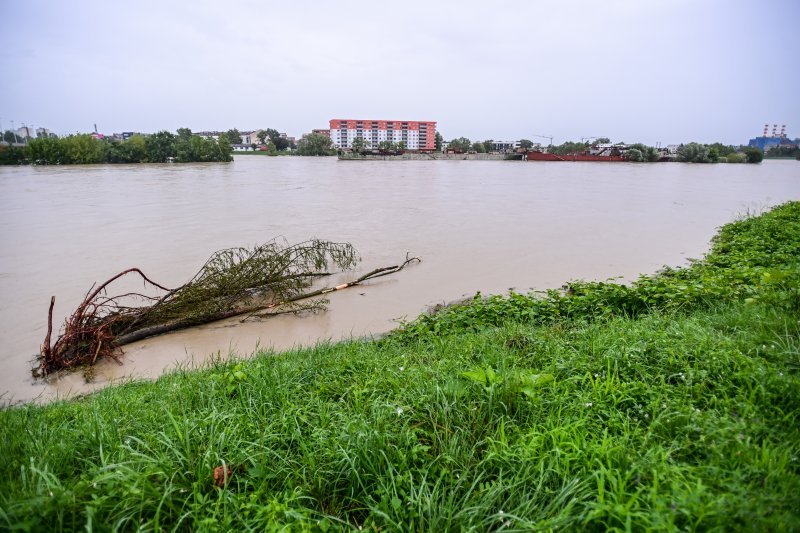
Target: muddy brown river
486,226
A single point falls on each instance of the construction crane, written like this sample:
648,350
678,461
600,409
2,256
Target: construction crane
549,137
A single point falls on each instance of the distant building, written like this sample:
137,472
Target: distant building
43,133
504,146
777,138
417,135
208,134
250,137
26,132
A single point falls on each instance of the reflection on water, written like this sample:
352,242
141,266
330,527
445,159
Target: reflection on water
478,225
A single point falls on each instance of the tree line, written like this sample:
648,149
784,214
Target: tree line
271,138
161,147
639,152
718,153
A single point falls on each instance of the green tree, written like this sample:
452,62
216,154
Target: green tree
488,145
387,146
223,149
647,153
635,155
359,145
401,146
11,155
568,147
11,137
133,150
280,143
160,147
437,142
262,136
479,147
526,144
603,140
46,151
754,155
82,149
461,144
315,144
234,136
693,153
722,149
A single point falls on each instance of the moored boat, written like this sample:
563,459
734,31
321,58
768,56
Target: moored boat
536,155
601,152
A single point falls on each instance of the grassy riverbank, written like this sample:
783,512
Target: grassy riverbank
673,403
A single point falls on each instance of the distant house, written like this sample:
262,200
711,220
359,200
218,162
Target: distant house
250,137
208,134
25,132
504,146
42,133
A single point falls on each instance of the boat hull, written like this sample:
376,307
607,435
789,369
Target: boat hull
543,156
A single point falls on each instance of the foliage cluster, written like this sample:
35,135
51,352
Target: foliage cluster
315,144
12,137
361,146
86,149
717,153
669,405
460,144
783,152
640,153
569,147
276,143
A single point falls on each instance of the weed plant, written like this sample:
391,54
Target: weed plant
668,404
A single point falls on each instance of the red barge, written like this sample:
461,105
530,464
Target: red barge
606,153
545,156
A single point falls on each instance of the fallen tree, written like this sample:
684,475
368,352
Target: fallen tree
256,282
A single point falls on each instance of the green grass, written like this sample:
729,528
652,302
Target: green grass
670,404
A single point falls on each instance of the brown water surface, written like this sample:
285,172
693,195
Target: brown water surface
478,225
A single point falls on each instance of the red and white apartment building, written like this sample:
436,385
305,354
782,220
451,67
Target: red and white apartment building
418,135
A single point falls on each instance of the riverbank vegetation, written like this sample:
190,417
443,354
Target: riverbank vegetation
672,403
783,152
315,144
686,153
159,147
718,153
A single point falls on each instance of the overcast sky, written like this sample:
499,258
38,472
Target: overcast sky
633,70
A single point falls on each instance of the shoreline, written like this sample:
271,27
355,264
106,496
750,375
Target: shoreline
599,404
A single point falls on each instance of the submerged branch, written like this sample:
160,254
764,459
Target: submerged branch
259,282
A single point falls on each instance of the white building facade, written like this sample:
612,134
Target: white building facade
417,135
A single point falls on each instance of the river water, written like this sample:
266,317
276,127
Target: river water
486,226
